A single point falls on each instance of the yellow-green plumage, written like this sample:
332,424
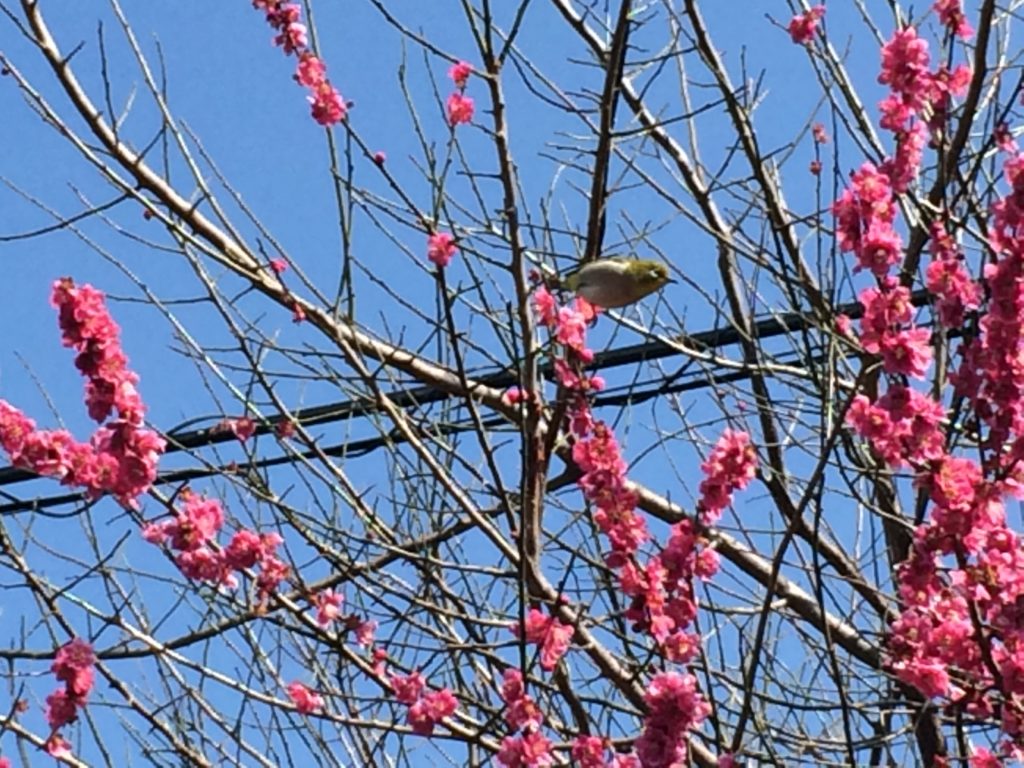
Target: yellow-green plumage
616,281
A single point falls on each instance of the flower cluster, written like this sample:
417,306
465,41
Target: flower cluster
730,467
662,598
959,636
460,106
866,210
72,666
192,531
963,584
803,26
948,279
306,700
674,707
532,750
902,426
121,457
914,90
87,327
328,606
242,428
991,374
887,313
328,107
553,637
951,14
426,708
531,747
441,248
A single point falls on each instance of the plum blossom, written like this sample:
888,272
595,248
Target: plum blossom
441,248
328,606
459,73
803,26
327,105
306,700
460,109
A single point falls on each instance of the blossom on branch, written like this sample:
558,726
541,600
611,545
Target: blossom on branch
327,105
803,26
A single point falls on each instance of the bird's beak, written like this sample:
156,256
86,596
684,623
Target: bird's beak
671,280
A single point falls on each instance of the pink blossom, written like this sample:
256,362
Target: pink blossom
588,752
521,711
73,665
15,428
204,564
460,72
244,550
281,14
571,328
87,326
292,38
430,710
932,679
530,751
952,17
730,467
121,457
460,109
365,632
907,351
675,706
905,63
197,523
866,203
242,428
514,396
819,133
545,307
273,571
57,746
904,167
328,606
306,700
553,636
327,105
886,309
61,708
803,26
380,660
407,688
555,644
903,426
441,248
279,266
310,71
1003,137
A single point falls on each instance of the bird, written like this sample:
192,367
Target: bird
617,281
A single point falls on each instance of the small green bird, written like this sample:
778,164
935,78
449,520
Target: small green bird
617,281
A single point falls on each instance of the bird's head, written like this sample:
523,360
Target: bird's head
649,275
